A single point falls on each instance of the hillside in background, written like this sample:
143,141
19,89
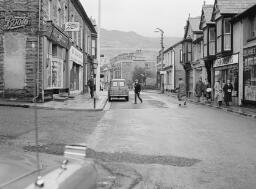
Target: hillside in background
114,42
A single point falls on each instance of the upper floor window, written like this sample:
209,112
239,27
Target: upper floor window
94,47
227,34
212,41
252,32
219,35
49,9
181,55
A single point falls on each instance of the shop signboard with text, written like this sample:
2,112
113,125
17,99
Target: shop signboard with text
225,61
76,56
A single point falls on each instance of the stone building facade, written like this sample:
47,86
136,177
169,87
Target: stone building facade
39,59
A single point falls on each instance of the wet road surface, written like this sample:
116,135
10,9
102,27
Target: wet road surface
169,146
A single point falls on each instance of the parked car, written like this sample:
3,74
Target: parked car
118,89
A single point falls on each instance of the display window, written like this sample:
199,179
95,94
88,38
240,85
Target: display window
54,73
225,73
250,78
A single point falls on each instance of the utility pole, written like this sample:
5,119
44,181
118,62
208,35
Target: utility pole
162,58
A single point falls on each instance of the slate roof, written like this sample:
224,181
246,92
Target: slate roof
207,10
194,23
234,6
249,11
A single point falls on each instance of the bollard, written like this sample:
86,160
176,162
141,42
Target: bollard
94,102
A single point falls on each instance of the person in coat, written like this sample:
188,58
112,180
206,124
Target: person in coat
137,89
227,89
181,92
90,84
218,93
199,89
208,91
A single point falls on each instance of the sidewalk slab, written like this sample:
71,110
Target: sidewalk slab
78,103
243,111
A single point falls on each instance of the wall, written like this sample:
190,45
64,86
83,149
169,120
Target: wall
25,61
179,69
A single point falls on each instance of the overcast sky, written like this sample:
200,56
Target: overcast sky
143,16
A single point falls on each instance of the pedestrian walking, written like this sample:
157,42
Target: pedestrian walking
208,91
137,90
218,93
228,88
181,92
199,89
90,84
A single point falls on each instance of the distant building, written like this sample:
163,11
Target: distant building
123,65
173,69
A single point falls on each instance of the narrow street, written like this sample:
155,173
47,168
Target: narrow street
177,147
154,144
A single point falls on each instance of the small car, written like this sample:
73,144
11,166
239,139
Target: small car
118,88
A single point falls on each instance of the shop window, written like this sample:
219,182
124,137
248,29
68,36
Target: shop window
181,55
227,34
250,78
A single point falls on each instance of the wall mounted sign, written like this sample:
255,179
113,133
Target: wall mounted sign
229,60
14,22
72,26
76,56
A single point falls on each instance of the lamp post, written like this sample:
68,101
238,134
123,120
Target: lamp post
98,49
162,57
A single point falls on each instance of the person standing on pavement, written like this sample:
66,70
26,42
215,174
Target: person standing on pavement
181,92
208,91
137,89
228,88
218,93
90,84
199,89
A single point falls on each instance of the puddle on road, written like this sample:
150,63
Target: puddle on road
118,157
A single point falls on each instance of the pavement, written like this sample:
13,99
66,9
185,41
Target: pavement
244,111
78,103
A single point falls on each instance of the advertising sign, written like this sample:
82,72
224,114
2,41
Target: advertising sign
229,60
54,73
76,56
14,22
72,26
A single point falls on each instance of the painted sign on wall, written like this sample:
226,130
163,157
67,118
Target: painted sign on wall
14,22
76,56
72,26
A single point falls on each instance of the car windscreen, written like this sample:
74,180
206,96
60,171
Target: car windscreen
121,84
114,84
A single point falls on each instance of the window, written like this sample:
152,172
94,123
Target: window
81,37
227,34
205,42
121,84
219,35
72,33
93,47
49,9
252,21
212,41
114,84
181,56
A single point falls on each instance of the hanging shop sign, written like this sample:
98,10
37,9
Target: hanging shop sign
76,56
55,35
72,26
229,60
15,22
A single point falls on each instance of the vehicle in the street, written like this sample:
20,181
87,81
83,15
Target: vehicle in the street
118,89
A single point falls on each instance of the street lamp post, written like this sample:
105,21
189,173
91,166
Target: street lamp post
162,57
98,49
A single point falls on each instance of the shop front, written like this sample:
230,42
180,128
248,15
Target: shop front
224,69
249,84
76,70
56,44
